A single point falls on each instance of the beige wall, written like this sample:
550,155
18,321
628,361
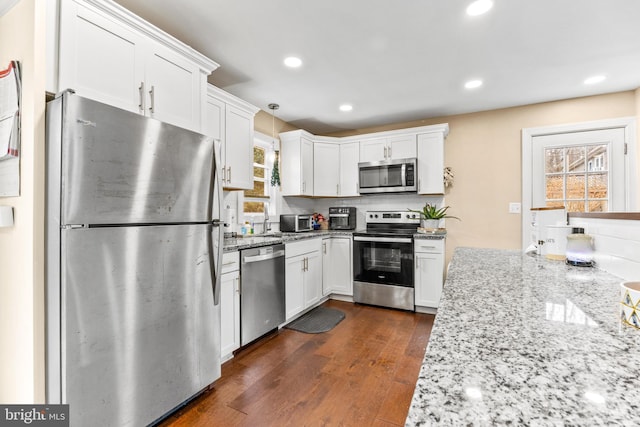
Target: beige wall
264,123
22,246
484,151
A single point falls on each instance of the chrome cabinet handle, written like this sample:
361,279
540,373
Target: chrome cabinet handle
141,96
389,151
337,189
224,175
238,286
229,174
385,152
324,247
152,99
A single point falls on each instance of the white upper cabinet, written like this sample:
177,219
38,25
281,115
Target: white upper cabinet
431,163
323,166
326,169
296,149
373,150
230,120
396,147
349,175
110,55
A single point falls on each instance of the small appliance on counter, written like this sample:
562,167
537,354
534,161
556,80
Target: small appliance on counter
293,223
342,218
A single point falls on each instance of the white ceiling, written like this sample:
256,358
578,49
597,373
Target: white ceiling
405,60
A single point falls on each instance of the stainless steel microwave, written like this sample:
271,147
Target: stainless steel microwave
296,223
388,176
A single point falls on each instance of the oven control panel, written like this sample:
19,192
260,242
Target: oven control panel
392,217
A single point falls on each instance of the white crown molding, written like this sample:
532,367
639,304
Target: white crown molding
230,99
443,128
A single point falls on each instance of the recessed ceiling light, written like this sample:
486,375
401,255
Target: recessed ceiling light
594,79
472,84
292,61
479,7
346,107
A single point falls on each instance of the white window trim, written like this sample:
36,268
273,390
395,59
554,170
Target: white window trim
626,123
266,142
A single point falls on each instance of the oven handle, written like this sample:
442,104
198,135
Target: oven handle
383,239
338,215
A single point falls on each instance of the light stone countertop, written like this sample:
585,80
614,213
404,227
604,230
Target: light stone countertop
521,340
255,241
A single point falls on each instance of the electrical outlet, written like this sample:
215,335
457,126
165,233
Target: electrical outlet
515,207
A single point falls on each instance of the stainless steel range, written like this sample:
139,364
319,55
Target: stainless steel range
383,259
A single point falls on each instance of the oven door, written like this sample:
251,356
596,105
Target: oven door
383,260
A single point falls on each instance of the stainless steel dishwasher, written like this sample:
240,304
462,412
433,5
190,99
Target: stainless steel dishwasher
262,293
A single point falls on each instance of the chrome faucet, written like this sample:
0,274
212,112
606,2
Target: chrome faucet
266,226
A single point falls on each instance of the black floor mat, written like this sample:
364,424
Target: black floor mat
318,320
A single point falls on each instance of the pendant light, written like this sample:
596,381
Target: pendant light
275,173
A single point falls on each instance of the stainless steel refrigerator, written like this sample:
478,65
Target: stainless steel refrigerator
134,246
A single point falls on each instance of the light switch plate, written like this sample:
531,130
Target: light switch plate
515,207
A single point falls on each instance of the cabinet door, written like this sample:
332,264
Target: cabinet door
401,147
373,150
326,169
349,158
430,163
294,285
313,279
229,314
172,88
327,266
341,270
99,58
239,149
428,279
306,164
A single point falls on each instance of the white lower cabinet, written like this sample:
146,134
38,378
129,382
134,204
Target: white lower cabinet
229,305
303,275
429,272
337,266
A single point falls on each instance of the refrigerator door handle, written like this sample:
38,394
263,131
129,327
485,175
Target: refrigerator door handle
215,249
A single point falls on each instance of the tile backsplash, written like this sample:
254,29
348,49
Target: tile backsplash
616,244
389,201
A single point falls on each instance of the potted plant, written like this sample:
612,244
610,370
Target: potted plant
431,215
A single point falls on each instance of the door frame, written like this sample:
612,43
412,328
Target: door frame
628,124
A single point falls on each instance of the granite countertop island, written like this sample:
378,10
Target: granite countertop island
520,340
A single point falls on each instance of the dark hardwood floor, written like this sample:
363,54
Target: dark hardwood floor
361,373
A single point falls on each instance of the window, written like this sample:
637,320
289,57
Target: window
569,184
255,201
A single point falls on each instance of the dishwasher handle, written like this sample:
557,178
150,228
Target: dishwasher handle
256,258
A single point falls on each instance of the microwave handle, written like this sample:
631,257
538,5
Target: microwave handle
403,174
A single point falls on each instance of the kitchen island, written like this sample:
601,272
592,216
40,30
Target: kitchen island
521,340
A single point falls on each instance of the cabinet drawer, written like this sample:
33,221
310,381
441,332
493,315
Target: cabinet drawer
302,247
428,245
230,262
